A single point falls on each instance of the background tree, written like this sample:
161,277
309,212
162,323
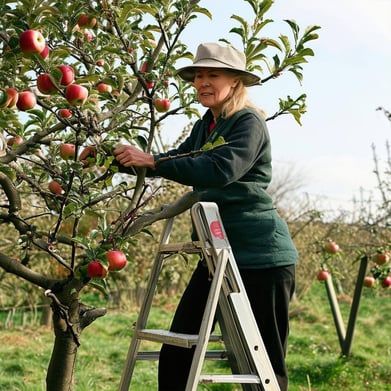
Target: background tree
74,74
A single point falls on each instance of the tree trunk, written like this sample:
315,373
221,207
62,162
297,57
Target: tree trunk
61,367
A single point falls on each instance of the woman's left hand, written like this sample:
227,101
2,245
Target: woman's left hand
127,156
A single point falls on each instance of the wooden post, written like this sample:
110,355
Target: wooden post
347,345
338,321
346,338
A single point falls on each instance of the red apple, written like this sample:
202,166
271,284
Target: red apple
76,94
117,259
95,269
65,113
26,100
31,41
14,140
11,98
331,247
56,188
386,283
322,275
45,52
68,75
103,87
162,104
45,84
149,84
67,151
86,21
381,258
100,63
369,281
145,66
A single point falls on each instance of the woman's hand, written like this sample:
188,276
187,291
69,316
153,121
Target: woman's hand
87,152
127,156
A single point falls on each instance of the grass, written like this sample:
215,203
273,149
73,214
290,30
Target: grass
314,358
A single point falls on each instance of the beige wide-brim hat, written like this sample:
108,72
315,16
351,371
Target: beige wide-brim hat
213,55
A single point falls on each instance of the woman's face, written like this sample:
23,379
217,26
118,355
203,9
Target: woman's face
214,86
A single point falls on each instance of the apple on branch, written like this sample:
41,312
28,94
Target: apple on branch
95,269
26,100
31,42
76,94
162,104
86,21
67,151
14,141
65,113
322,275
11,98
56,188
331,247
68,75
104,87
117,260
386,283
381,257
45,52
45,84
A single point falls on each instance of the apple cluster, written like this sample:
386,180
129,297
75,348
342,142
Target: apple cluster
23,100
116,261
59,80
380,271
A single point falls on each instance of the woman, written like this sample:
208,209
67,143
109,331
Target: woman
235,176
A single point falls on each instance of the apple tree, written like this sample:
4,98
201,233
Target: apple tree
74,74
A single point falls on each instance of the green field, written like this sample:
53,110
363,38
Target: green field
313,357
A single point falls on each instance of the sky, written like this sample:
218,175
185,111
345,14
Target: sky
346,81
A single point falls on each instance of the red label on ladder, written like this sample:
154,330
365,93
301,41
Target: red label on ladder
216,230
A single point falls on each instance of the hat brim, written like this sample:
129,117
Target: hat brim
188,73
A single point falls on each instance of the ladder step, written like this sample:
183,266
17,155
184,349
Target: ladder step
153,355
171,338
240,379
194,247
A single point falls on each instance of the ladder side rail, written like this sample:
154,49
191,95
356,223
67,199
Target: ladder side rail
145,309
207,324
240,304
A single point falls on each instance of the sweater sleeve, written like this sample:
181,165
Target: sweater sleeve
225,164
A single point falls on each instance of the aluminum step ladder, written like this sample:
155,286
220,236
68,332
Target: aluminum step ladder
227,300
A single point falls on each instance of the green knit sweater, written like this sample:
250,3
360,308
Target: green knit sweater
235,176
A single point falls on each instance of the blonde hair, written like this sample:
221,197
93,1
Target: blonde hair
238,100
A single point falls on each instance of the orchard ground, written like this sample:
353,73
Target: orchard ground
314,358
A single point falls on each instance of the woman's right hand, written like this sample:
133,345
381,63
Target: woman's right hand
89,151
